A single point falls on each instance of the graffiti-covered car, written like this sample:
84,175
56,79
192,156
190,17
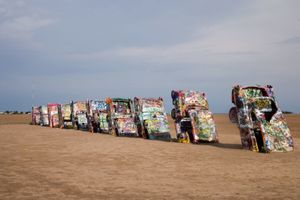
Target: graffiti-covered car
151,118
259,119
67,115
36,115
121,118
98,116
80,111
194,121
55,119
103,119
44,115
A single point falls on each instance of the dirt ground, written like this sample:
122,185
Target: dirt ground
44,163
15,119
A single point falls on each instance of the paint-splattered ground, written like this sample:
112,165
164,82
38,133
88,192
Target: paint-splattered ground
44,163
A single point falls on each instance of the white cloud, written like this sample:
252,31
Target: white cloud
19,21
252,35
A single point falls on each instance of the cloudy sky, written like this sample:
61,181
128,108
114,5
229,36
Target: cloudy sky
57,51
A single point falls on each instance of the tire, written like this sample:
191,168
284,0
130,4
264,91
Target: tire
191,137
233,115
139,127
173,114
174,94
90,128
145,134
114,132
143,130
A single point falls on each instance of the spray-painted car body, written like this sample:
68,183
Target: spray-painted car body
103,119
67,115
80,111
98,116
261,122
36,115
193,120
55,119
152,119
121,118
44,115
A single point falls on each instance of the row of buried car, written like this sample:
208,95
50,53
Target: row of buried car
144,117
256,113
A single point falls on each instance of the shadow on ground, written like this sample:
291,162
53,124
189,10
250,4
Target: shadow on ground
227,146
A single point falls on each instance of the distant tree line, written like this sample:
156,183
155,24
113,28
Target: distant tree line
14,112
287,112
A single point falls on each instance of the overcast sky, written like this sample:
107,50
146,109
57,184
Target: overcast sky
57,51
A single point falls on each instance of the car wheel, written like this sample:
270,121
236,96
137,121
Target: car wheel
114,132
174,94
173,113
233,115
145,134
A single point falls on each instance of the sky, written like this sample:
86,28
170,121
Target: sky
62,50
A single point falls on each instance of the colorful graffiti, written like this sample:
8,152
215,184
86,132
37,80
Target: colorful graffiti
98,113
67,116
54,115
193,120
82,119
194,98
36,115
66,111
121,108
126,126
121,117
80,107
103,123
251,93
152,118
261,123
98,106
152,105
203,124
80,110
157,124
44,116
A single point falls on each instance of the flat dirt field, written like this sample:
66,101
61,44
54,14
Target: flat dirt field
45,163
